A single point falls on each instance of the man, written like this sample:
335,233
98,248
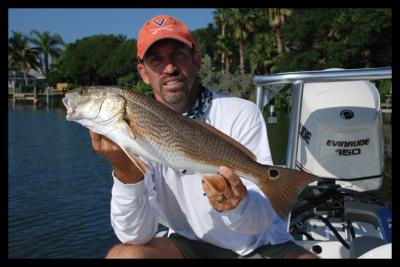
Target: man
202,221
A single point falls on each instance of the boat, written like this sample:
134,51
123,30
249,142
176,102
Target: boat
336,133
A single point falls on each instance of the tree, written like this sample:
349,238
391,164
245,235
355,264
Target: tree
208,76
121,61
122,64
47,46
221,19
261,48
98,59
361,37
242,21
20,56
205,39
276,18
342,38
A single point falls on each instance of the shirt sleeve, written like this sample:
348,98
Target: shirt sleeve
254,213
133,217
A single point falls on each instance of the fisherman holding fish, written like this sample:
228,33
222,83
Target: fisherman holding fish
209,215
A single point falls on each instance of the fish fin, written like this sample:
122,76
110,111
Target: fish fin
130,131
139,164
227,139
134,131
126,129
282,187
218,182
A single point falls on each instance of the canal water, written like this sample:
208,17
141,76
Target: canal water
59,189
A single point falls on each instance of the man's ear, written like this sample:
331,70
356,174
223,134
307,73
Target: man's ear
142,71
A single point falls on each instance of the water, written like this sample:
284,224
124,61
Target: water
59,189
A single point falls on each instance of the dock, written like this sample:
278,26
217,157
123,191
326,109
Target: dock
386,107
34,97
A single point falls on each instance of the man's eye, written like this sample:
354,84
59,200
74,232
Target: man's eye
179,55
155,61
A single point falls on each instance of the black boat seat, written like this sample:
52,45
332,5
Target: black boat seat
362,244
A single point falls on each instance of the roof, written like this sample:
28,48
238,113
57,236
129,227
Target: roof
31,75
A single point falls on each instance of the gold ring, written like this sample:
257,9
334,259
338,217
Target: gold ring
220,197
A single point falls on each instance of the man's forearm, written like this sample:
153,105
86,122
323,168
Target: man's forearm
133,218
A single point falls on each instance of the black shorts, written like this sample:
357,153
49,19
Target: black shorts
196,249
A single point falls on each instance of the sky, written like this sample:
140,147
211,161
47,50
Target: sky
76,23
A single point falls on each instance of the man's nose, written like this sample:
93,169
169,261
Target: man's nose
169,65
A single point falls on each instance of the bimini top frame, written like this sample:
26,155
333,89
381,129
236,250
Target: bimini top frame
269,85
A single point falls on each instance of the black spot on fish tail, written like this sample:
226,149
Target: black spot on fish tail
273,173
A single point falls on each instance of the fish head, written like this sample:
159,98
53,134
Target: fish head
93,107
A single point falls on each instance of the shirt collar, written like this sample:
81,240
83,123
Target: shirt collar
201,105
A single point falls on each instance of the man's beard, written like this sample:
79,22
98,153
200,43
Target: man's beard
175,99
184,93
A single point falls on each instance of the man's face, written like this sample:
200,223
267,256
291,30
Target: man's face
170,68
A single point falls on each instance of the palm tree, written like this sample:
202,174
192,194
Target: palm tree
276,17
20,56
242,19
48,47
221,18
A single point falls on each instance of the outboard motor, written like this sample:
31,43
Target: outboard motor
336,133
341,133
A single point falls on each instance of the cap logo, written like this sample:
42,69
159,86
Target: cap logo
160,25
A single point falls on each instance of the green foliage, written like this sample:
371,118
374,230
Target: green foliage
240,85
127,81
225,44
72,86
361,34
260,48
21,57
317,39
121,62
57,73
48,46
384,88
98,59
242,21
208,76
143,88
282,99
205,39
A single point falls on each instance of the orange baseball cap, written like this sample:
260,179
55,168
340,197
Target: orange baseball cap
162,27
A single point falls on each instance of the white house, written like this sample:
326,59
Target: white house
16,79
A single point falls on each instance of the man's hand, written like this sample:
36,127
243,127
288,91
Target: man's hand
124,169
227,196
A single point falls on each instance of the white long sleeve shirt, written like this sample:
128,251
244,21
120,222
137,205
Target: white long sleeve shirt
175,200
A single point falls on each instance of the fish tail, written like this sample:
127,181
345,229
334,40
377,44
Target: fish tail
282,187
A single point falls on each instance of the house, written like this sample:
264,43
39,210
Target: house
61,87
16,79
